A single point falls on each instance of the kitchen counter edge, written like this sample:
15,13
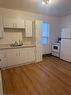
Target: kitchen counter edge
24,46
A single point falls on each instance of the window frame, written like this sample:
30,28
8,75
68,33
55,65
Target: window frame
47,36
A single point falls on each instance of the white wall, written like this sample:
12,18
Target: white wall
11,35
66,21
53,21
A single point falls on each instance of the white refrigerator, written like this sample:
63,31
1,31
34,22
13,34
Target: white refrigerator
65,52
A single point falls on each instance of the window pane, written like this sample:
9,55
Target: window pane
44,41
45,29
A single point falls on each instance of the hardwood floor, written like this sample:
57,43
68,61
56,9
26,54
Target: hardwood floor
50,77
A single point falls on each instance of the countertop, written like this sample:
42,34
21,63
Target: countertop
2,47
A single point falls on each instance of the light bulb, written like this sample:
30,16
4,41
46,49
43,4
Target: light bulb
43,2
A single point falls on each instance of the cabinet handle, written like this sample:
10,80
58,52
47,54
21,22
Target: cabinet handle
0,60
19,53
16,54
4,56
13,25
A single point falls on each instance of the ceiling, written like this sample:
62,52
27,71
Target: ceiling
54,8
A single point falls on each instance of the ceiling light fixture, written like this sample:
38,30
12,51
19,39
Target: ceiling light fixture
45,2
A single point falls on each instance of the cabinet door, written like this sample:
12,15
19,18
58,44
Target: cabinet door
3,59
30,54
13,57
20,23
27,55
28,28
8,22
1,27
23,55
13,23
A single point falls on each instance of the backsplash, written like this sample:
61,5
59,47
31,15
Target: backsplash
12,35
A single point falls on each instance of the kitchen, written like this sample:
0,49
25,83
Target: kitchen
15,30
20,47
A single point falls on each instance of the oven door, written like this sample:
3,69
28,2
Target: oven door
55,48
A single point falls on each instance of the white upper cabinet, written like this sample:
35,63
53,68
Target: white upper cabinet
10,22
20,23
13,23
28,28
1,27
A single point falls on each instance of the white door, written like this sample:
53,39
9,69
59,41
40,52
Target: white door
65,53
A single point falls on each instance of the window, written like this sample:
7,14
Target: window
45,34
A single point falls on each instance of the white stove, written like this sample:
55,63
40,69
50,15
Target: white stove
56,49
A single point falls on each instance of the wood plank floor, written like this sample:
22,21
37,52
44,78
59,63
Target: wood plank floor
50,77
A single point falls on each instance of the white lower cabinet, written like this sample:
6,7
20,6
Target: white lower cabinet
3,59
12,57
23,55
27,55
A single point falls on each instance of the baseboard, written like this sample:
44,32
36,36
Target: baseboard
18,65
65,61
45,55
55,56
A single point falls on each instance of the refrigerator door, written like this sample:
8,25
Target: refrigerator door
66,33
65,52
